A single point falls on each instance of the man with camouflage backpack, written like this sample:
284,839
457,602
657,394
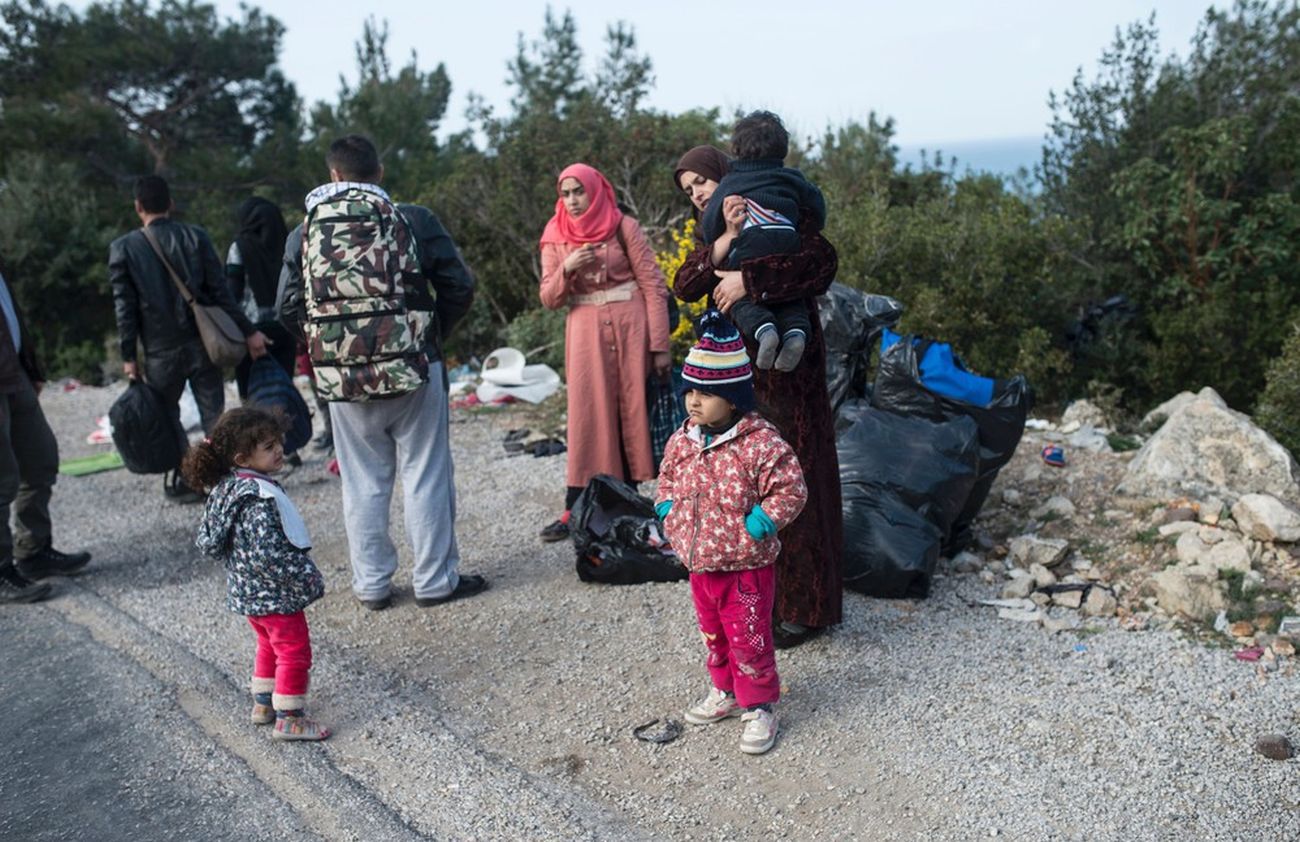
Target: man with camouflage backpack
373,286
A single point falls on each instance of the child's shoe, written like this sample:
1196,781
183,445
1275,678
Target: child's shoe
716,706
294,725
263,713
760,731
792,345
768,341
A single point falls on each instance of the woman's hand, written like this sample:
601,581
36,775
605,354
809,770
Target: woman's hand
580,258
730,289
733,213
661,362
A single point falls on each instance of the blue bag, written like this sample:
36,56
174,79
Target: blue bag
270,388
942,371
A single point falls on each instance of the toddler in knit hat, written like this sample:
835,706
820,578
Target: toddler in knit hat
727,484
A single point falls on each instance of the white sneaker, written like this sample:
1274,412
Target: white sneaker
716,706
760,731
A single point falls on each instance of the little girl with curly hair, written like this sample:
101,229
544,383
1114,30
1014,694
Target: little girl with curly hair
252,526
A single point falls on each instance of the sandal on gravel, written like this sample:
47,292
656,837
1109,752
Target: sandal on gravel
299,728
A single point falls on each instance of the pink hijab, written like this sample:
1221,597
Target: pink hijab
600,219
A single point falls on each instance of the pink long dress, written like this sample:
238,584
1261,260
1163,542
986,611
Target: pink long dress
607,349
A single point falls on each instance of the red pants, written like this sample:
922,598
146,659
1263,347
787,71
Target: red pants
283,653
735,614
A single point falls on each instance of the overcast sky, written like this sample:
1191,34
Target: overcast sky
946,70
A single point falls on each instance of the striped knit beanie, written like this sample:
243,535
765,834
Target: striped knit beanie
717,362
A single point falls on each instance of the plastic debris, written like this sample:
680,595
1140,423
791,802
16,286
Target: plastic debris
1253,653
658,731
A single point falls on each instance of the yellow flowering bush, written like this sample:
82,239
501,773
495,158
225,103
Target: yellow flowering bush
669,262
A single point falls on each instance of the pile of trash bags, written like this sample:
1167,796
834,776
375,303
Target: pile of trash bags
617,538
919,445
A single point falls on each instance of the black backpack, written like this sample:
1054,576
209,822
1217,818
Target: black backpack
270,388
146,432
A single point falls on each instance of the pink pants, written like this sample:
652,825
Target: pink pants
283,652
735,614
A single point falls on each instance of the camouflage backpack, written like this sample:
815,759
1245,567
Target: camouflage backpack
358,263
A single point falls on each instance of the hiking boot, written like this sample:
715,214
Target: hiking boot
557,531
715,707
51,562
14,587
467,586
760,731
297,726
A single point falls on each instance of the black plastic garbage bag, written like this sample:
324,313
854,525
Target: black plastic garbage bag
147,432
899,388
851,320
618,539
271,388
904,481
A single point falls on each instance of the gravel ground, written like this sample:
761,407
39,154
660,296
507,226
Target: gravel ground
508,716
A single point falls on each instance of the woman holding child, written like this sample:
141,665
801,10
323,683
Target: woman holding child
796,401
597,263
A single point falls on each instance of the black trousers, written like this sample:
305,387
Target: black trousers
29,466
748,316
169,371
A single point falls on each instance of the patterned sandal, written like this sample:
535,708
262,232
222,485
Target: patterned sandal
298,728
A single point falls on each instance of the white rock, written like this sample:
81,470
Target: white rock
967,562
1011,497
1056,506
1068,599
1026,550
1166,410
1252,583
1089,438
1040,599
1178,527
1038,424
1020,615
1207,449
1209,510
1020,586
1042,577
1192,591
1266,518
1068,427
1064,621
1084,412
1100,603
1227,553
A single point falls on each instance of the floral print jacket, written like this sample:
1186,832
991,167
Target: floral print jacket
265,573
714,482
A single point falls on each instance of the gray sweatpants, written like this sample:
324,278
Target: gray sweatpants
373,441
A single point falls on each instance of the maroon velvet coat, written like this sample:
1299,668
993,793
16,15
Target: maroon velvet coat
808,570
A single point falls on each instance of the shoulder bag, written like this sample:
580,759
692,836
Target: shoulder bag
222,338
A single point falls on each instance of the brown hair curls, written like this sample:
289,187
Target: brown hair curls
237,432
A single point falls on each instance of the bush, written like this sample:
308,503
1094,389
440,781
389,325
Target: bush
1278,410
539,333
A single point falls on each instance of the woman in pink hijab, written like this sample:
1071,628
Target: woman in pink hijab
596,262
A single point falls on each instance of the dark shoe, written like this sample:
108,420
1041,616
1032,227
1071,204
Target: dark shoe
14,587
557,531
176,490
377,604
466,587
293,460
790,635
51,562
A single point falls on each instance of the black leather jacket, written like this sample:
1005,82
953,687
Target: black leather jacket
145,299
13,364
450,280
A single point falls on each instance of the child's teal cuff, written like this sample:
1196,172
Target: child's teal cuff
662,509
759,525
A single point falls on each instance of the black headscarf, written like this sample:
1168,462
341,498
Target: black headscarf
261,237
